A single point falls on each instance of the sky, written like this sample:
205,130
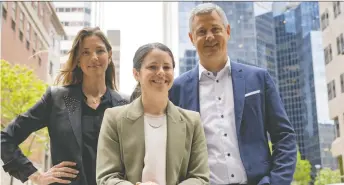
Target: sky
139,23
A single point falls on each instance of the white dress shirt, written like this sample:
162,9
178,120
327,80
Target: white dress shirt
155,129
218,118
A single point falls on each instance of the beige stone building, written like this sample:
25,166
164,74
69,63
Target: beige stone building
114,37
30,35
332,25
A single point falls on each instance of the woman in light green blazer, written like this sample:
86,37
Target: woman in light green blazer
151,141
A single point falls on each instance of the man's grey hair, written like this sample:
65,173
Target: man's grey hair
206,8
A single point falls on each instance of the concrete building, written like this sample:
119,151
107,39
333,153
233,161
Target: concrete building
327,134
114,37
97,14
332,26
73,16
30,35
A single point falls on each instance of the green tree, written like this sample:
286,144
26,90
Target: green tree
327,176
20,90
303,169
302,175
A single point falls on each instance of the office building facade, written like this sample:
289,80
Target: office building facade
332,26
294,50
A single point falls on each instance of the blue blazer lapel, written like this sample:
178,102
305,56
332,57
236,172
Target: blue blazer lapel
238,93
192,90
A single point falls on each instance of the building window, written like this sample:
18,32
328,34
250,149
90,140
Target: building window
87,10
27,45
34,53
336,123
64,52
21,19
324,19
336,8
28,31
342,82
340,166
328,54
331,90
39,61
340,44
21,35
51,65
4,10
14,10
13,25
34,42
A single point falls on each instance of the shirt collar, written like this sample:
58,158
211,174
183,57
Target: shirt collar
202,69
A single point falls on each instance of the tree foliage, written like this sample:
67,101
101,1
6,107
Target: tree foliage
327,176
303,171
20,90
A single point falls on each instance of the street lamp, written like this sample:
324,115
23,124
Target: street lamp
317,167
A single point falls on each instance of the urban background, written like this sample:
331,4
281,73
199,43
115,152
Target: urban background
301,44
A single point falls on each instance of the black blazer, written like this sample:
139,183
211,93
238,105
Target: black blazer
60,110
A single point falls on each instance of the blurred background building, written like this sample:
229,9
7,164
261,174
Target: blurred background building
327,134
295,74
332,26
114,37
30,35
73,16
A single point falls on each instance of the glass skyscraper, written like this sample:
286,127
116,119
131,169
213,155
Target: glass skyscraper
294,51
187,52
266,45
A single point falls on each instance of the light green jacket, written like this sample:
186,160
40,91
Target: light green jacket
121,147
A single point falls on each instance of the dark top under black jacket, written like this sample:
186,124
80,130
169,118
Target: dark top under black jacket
91,122
60,109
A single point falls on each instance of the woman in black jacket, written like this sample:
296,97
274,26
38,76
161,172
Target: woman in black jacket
72,113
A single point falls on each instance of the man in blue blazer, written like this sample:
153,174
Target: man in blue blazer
239,105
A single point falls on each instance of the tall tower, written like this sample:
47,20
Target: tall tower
74,16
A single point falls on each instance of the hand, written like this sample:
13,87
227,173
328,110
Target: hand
54,174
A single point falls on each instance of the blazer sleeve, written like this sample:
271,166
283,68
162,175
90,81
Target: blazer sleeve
282,136
198,169
109,168
37,117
